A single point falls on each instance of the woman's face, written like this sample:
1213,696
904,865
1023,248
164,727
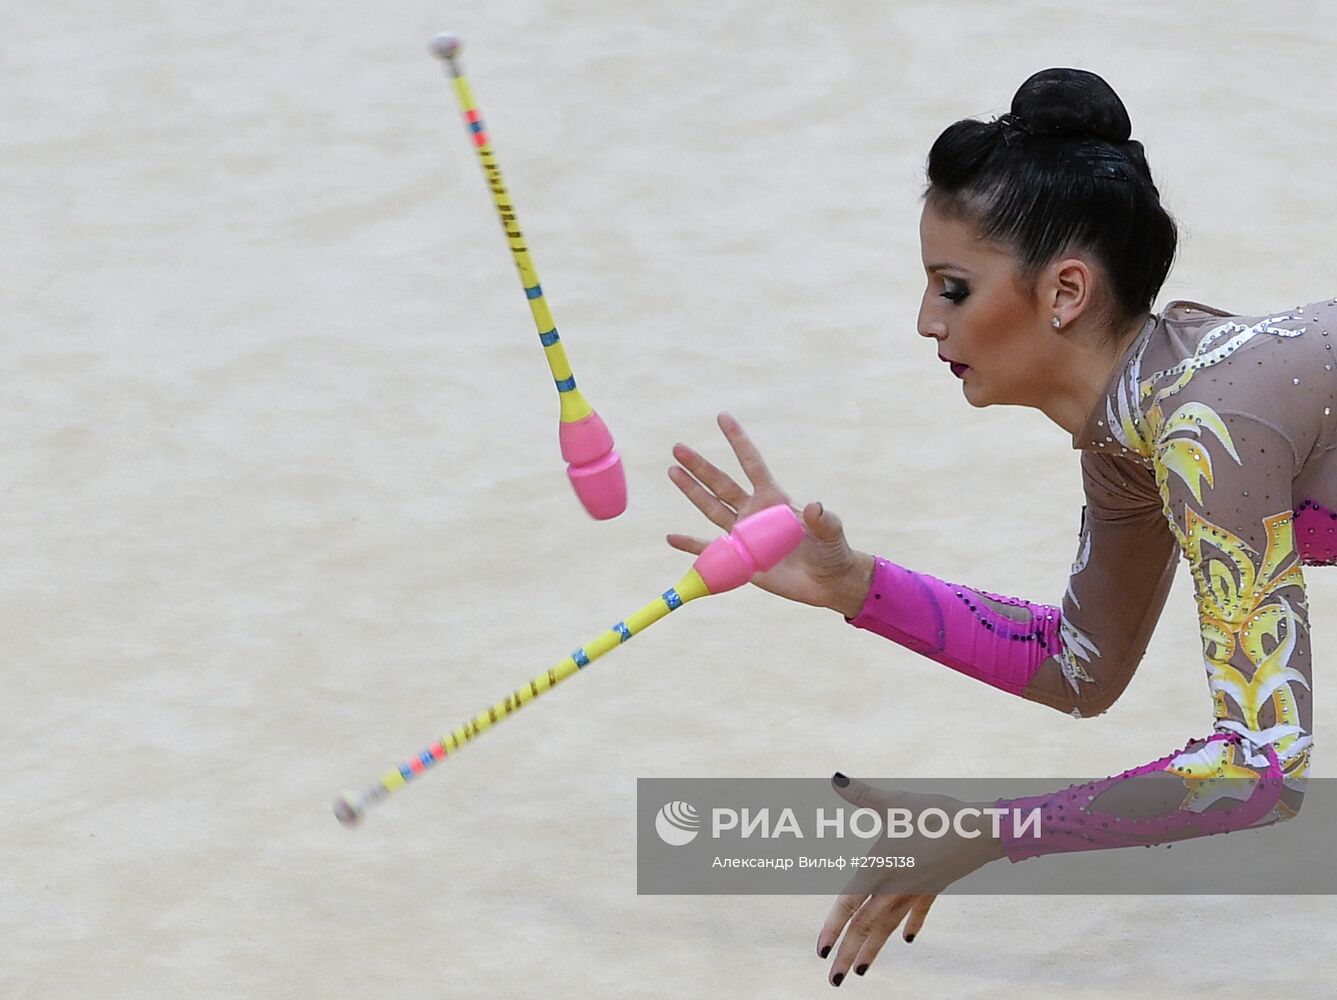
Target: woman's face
989,323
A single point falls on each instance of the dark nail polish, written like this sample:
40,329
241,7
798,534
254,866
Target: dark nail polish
860,970
839,780
837,979
823,952
909,938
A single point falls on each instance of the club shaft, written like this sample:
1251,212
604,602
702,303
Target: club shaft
688,588
573,404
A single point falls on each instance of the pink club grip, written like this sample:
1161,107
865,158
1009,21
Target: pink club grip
756,544
594,468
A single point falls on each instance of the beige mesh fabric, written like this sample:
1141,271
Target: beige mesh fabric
1213,432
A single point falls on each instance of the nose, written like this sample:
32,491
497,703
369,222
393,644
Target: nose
927,324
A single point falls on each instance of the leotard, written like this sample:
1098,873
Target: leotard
1215,440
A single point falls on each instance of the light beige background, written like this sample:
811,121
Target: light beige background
282,500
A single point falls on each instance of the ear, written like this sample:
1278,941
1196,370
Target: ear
1069,289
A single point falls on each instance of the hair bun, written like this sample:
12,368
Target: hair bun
1071,102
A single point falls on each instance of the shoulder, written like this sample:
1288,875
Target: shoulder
1192,356
1199,336
1249,366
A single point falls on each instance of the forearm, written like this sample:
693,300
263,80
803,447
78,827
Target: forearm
957,626
1209,789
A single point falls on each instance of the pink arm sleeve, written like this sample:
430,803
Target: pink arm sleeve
1135,809
961,628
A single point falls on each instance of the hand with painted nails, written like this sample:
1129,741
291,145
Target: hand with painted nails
880,899
823,571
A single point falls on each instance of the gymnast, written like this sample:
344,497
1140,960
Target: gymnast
1202,434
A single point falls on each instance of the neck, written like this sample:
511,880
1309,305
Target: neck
1083,361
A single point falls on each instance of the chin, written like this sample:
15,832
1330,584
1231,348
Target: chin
976,396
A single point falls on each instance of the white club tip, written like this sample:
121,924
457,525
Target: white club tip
446,46
345,811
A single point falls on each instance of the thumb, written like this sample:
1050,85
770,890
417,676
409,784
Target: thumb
858,793
824,525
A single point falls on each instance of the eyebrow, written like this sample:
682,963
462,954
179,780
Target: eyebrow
934,268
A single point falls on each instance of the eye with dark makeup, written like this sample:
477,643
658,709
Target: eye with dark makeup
954,292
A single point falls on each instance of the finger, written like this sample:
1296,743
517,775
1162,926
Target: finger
886,921
855,791
843,909
753,465
710,475
918,911
717,513
822,524
687,543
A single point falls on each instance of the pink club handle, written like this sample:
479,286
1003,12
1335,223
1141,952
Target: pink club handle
757,543
594,468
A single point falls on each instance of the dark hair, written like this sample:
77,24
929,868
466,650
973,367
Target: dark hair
1057,172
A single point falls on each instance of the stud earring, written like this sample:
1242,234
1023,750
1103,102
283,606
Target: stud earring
1056,323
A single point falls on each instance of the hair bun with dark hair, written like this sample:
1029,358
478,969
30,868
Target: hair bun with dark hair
1070,102
1058,172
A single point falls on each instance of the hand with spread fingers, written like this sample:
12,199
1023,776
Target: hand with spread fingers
823,571
880,899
